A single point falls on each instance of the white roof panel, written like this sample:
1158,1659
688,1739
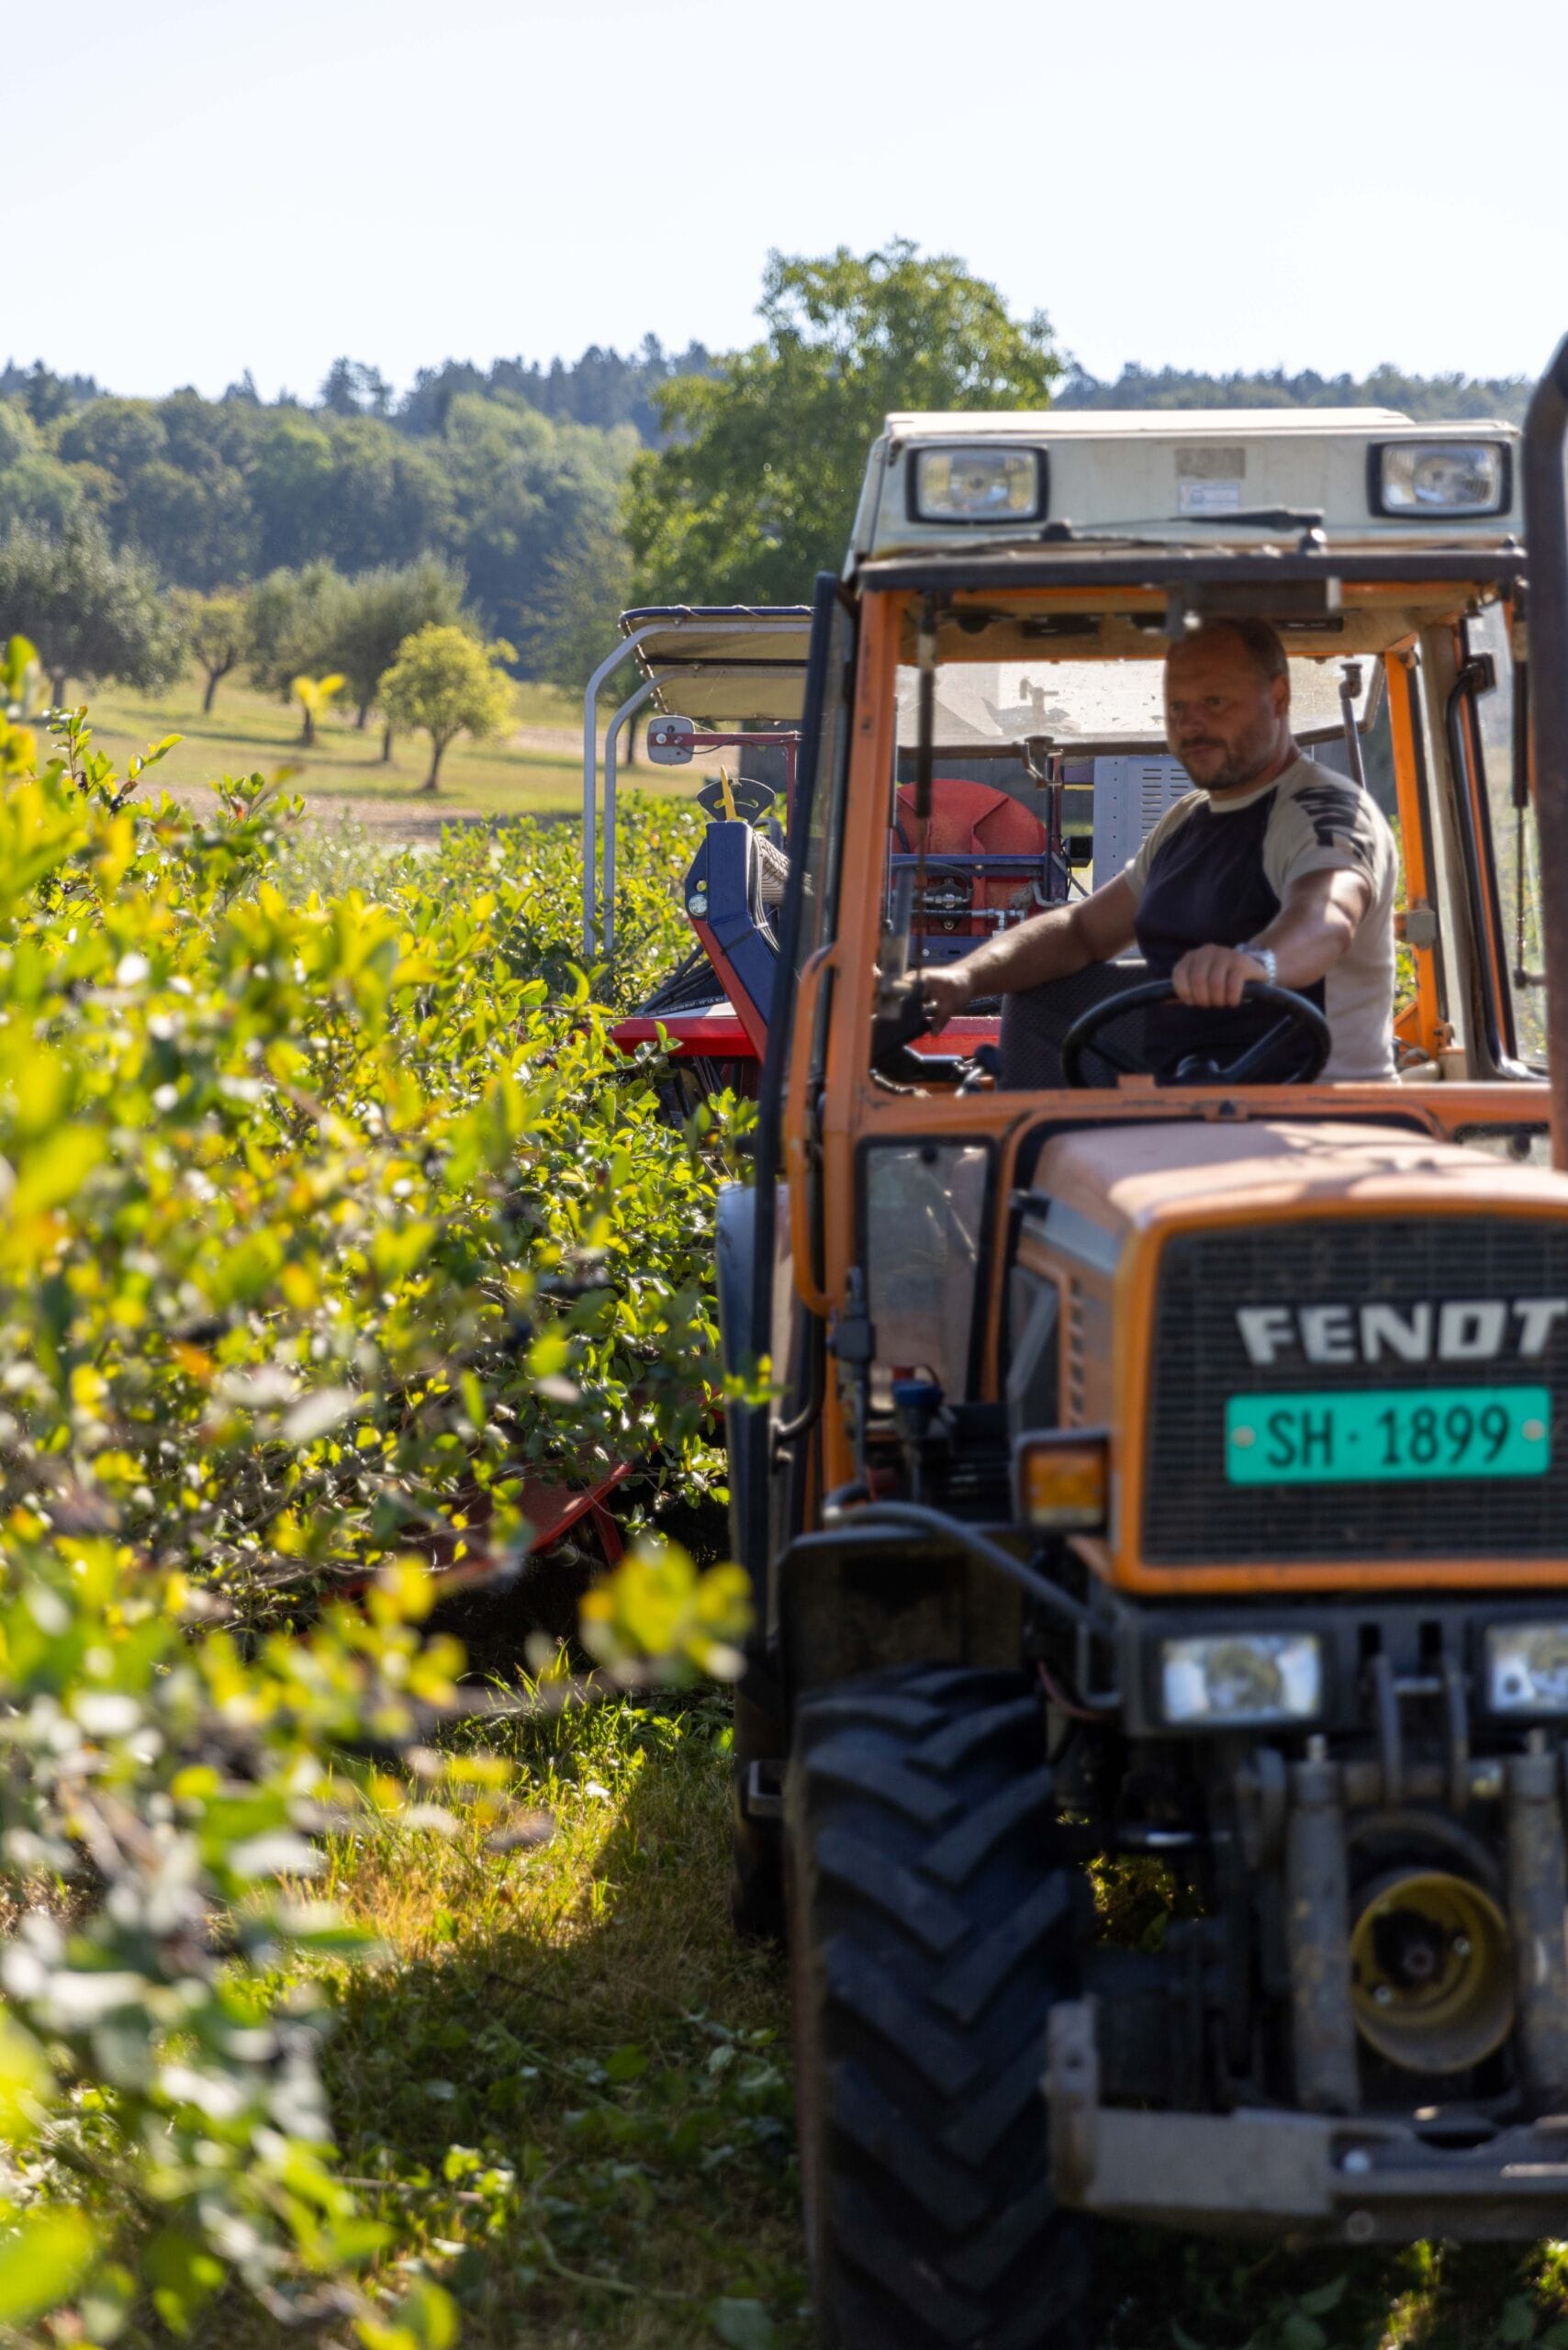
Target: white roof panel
1172,477
1123,423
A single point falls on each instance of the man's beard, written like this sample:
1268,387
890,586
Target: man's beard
1240,766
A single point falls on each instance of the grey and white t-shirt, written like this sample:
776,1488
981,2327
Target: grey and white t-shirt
1217,871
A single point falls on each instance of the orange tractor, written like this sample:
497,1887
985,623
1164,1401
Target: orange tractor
1164,1468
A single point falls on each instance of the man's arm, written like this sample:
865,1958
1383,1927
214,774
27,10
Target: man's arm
1316,923
1052,945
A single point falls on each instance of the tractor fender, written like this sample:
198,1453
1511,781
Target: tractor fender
860,1599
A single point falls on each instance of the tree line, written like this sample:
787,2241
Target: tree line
1427,398
546,497
216,493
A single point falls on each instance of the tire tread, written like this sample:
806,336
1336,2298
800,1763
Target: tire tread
931,1929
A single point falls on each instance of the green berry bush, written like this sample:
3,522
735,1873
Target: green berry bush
332,1217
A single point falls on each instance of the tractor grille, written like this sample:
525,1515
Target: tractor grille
1193,1516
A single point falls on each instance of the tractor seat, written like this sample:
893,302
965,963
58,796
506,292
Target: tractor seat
1035,1021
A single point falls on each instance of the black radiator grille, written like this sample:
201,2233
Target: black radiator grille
1193,1516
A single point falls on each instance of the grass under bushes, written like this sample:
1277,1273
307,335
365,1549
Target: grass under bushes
567,2089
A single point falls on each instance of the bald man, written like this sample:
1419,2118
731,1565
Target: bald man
1272,867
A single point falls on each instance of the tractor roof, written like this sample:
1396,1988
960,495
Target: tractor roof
1197,478
1129,423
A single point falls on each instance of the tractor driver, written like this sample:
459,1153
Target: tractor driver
1272,867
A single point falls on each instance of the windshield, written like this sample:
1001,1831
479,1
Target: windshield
1110,703
1514,844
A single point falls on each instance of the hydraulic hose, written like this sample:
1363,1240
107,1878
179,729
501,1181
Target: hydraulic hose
917,1518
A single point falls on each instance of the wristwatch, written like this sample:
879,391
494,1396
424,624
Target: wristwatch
1269,961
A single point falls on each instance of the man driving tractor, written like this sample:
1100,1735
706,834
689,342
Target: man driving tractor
1272,868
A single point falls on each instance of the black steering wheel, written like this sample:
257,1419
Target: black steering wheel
1299,1018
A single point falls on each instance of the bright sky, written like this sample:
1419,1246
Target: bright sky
209,187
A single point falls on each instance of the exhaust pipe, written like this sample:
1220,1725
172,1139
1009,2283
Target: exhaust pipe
1317,1923
1538,1906
1546,530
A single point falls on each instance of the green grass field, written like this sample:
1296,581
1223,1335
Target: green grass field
537,771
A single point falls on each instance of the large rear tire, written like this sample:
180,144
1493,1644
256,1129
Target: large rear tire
931,1929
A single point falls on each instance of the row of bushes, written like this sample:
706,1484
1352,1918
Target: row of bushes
331,1216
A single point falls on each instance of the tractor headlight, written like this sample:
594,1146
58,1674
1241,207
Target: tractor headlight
1241,1678
1526,1669
977,485
1440,477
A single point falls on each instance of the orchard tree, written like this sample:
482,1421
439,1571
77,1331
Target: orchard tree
755,490
296,621
93,614
379,609
315,697
446,682
218,631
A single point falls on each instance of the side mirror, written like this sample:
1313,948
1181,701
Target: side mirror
668,742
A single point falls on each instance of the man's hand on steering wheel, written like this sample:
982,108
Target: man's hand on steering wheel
1257,1064
1213,978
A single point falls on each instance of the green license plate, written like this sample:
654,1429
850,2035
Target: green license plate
1388,1432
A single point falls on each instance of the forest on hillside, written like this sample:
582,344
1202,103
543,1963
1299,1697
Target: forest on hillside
1428,398
515,475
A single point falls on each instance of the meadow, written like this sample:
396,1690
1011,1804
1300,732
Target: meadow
535,770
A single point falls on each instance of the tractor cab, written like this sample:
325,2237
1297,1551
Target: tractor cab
1160,1462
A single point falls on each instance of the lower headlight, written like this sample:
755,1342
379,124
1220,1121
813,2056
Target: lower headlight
1241,1678
1526,1669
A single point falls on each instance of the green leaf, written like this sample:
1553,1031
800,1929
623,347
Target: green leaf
626,2065
396,1252
55,1169
744,2325
106,2303
425,2319
1323,2297
184,2275
349,2244
1517,2322
1302,2333
25,2081
43,2263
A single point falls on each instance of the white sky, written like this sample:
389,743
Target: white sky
206,186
